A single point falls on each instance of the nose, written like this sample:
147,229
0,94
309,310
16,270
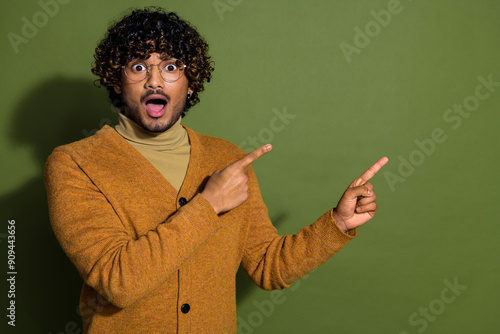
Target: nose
153,79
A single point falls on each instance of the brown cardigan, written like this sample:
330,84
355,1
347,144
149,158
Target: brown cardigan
154,260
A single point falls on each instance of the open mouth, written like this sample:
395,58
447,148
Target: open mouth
155,105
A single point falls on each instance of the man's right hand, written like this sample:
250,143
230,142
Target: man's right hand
228,189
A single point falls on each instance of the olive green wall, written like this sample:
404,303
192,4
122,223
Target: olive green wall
333,85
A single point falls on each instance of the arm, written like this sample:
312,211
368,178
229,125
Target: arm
122,269
273,261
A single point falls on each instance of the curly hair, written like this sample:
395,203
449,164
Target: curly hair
146,31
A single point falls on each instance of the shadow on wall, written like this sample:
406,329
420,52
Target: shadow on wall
56,112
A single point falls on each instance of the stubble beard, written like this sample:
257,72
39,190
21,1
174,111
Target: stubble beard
132,112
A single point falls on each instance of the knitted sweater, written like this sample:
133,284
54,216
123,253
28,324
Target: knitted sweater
157,260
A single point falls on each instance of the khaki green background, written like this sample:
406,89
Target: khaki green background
437,220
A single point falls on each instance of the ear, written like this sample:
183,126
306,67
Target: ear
117,88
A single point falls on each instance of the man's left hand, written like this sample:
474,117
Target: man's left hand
357,205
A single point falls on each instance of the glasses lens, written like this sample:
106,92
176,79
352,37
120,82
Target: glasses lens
171,70
136,70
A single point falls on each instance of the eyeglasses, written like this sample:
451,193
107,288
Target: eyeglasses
170,70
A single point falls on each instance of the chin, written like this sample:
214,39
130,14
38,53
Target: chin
158,126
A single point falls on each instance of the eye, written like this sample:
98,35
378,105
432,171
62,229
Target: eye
139,67
170,67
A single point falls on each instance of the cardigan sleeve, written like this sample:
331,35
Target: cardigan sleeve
273,261
118,267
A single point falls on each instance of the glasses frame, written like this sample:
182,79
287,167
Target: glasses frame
149,66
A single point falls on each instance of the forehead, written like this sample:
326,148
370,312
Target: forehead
156,56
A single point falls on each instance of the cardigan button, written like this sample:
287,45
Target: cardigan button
182,201
185,308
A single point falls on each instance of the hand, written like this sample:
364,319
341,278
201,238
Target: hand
357,205
228,189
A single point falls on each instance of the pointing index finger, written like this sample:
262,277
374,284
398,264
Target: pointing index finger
370,172
253,156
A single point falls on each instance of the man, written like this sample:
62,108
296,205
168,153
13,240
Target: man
156,217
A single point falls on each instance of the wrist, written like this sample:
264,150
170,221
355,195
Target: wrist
211,201
339,221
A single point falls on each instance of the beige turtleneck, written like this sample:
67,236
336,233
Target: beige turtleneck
168,151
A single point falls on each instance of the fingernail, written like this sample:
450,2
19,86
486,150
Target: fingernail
369,192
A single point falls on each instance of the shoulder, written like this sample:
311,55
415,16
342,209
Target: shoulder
90,148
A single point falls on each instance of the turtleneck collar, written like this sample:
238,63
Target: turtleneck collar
171,139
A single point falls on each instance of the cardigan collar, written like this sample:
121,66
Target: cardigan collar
194,176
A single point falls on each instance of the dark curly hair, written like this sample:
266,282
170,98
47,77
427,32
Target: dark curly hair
146,31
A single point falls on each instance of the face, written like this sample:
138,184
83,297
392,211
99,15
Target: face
154,104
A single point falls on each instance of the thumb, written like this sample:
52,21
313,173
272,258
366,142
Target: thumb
352,194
